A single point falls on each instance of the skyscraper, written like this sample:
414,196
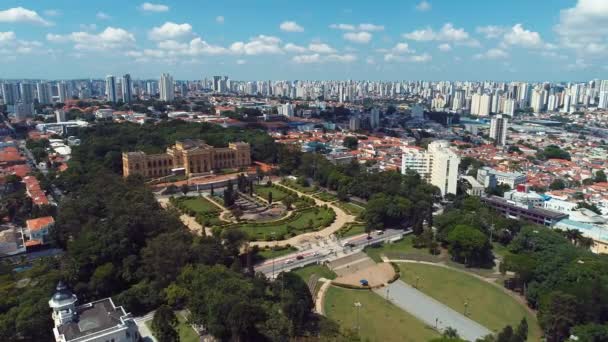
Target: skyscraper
167,91
9,93
62,91
26,91
43,93
498,129
111,88
374,118
127,89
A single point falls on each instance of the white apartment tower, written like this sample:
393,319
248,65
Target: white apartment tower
111,88
167,92
437,165
43,93
62,91
498,129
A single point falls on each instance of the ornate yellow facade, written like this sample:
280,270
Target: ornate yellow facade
193,156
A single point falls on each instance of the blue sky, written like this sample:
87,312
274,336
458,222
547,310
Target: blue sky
280,39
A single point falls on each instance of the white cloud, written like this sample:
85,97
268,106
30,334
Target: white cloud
371,27
290,47
321,48
291,26
583,25
103,16
491,31
88,27
444,47
108,39
518,35
219,19
343,27
391,57
241,61
447,33
318,58
22,15
170,30
492,54
150,7
361,27
370,60
358,37
258,46
402,48
423,6
7,36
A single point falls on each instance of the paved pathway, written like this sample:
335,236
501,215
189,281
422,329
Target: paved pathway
430,311
341,219
144,331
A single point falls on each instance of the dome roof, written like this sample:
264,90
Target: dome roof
62,292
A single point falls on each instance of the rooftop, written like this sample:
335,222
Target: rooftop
92,318
39,223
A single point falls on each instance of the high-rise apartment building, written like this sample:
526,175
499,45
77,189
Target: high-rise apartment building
111,88
166,88
9,94
127,89
26,92
498,130
437,165
62,92
43,93
374,118
286,109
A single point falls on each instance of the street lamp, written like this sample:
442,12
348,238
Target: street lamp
466,305
358,306
417,280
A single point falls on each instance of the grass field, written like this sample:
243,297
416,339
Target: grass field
379,320
277,194
275,253
326,196
351,208
399,250
185,331
487,304
292,184
307,271
299,223
200,205
353,229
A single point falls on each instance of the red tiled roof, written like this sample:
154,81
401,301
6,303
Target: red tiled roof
39,223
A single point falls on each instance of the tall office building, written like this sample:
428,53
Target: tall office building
43,92
62,92
498,130
111,88
567,103
167,91
603,103
552,103
127,89
217,83
26,92
9,93
538,101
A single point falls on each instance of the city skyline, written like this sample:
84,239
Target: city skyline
414,40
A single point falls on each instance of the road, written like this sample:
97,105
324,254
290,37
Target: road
431,311
327,249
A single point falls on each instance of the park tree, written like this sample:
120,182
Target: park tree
269,197
592,332
288,201
600,176
229,195
164,324
557,314
351,143
469,246
184,189
557,184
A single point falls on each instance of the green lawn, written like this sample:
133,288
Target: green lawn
353,229
292,184
186,333
499,249
200,205
307,271
299,223
275,253
263,190
487,304
402,249
379,320
326,196
351,208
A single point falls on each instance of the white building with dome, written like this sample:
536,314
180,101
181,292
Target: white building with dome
99,321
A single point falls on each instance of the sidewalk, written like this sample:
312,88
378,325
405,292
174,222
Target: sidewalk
431,311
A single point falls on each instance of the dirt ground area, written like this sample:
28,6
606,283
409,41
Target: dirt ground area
376,275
